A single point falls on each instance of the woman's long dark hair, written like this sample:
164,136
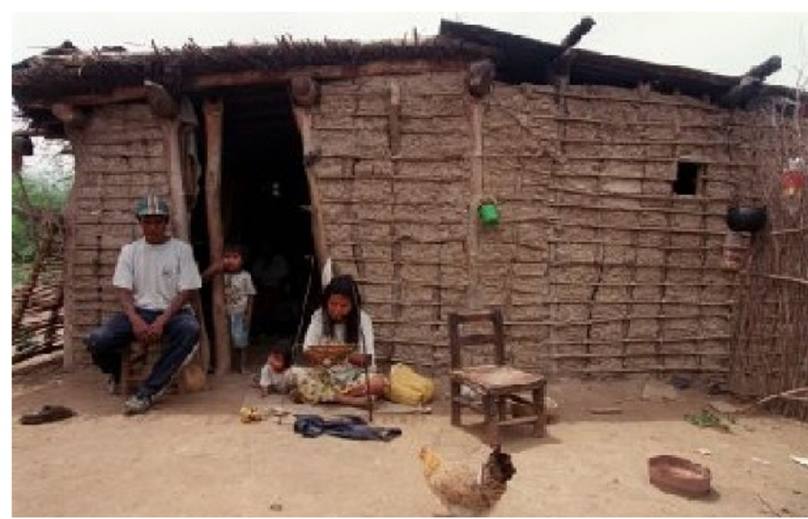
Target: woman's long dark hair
344,286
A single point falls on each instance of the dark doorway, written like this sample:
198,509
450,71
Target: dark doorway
265,209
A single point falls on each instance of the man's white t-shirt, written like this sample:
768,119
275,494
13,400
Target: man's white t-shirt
156,273
314,334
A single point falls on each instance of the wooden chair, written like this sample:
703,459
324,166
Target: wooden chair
495,383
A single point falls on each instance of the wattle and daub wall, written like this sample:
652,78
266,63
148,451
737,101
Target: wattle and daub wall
598,265
120,155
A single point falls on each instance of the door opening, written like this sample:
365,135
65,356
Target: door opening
265,209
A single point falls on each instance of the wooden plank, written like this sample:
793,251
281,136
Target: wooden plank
324,72
213,110
303,120
480,338
394,118
519,421
473,296
117,95
180,218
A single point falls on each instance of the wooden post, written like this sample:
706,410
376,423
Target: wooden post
179,209
71,343
766,69
303,119
560,68
180,220
21,146
746,89
394,118
578,32
472,238
558,71
213,181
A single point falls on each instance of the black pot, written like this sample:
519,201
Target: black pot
746,219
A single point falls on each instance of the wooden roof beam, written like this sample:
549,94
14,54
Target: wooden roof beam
578,32
322,72
751,83
558,71
160,101
766,69
118,95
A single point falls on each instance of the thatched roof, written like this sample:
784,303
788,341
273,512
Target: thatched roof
67,71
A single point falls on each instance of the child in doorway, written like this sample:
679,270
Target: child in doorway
276,375
238,294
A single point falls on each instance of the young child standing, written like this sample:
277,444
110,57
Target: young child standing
238,294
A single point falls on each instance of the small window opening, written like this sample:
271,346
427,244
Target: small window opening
687,178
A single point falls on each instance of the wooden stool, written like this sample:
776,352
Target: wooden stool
136,365
495,383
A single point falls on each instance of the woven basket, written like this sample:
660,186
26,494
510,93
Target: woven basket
321,354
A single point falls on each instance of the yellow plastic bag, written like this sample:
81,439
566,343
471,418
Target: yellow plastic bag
408,387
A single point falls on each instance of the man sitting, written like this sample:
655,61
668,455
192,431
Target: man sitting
155,277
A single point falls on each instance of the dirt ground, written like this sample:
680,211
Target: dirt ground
191,456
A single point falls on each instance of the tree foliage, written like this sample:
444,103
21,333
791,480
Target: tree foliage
43,184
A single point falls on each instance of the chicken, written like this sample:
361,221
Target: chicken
464,490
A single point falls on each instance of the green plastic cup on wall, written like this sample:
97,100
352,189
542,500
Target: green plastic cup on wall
488,213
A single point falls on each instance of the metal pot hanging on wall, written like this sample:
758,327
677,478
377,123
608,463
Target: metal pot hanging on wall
746,219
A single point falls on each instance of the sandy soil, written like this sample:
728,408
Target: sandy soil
191,456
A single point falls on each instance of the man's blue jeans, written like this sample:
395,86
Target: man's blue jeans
180,334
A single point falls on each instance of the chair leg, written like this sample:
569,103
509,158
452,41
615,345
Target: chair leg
540,427
491,422
455,405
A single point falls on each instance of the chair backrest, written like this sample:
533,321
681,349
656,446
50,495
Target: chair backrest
496,338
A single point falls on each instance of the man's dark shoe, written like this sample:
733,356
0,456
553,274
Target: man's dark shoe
48,413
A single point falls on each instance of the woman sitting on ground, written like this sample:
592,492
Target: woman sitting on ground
340,320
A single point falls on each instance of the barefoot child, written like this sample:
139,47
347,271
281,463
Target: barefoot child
276,374
238,293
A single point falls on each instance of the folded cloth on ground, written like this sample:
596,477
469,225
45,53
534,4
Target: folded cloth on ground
48,413
342,426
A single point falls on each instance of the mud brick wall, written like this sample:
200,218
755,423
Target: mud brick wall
598,265
615,273
397,221
119,156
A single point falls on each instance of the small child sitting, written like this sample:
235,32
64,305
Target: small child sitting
276,375
238,294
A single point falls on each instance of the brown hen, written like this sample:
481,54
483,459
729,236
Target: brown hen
465,490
